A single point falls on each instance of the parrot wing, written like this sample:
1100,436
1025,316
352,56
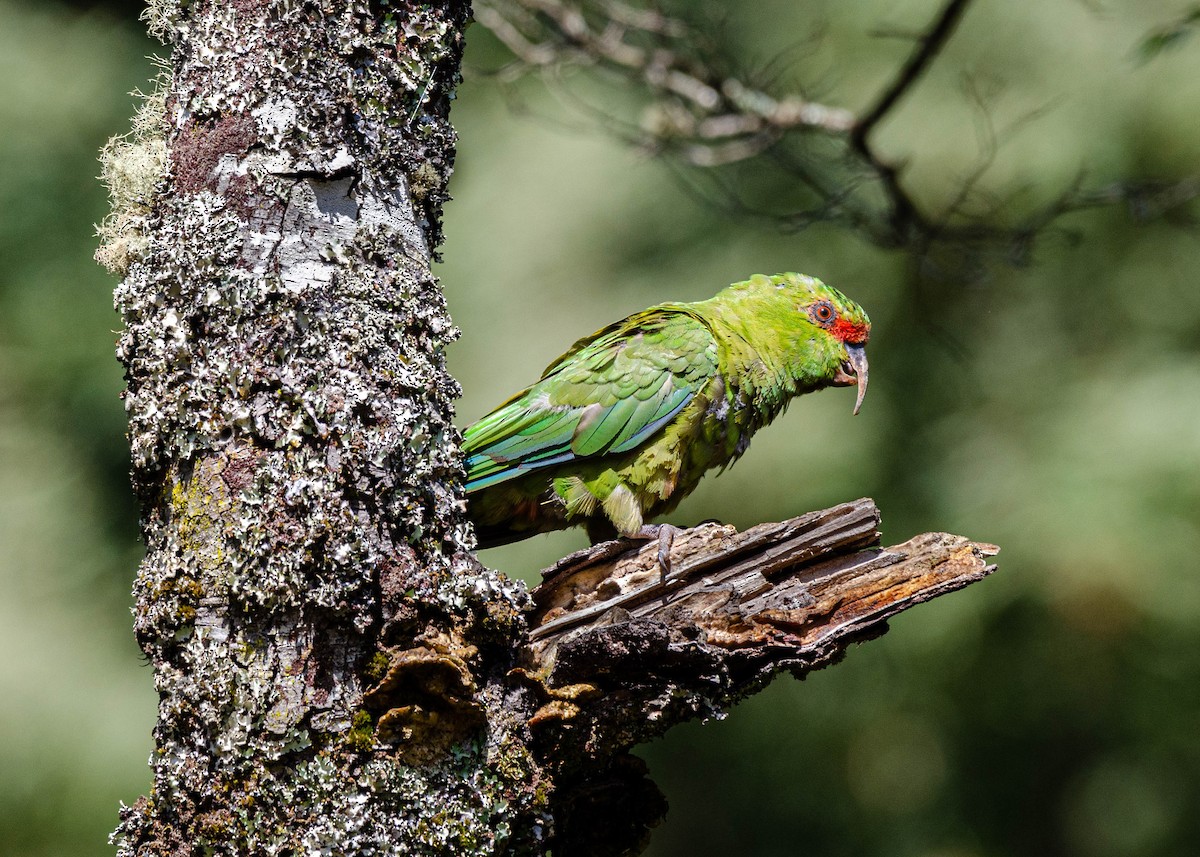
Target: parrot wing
608,394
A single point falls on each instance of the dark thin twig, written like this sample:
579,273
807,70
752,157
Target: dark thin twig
905,213
928,47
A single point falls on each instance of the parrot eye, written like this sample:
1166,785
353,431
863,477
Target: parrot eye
822,312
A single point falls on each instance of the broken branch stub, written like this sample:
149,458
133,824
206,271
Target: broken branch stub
611,637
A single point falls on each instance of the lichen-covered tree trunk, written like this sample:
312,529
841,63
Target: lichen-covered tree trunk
290,422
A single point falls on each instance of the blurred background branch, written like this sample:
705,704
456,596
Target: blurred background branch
703,107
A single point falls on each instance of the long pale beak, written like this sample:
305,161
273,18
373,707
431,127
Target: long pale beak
854,370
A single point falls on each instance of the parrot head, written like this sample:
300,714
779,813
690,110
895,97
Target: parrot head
841,330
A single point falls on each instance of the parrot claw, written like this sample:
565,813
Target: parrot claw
665,535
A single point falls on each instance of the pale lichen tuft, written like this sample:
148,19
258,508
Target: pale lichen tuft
133,167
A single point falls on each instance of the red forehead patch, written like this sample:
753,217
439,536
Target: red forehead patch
852,332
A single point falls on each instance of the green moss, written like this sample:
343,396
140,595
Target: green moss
377,667
425,179
361,736
514,764
245,648
511,760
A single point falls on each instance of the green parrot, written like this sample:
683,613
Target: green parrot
622,426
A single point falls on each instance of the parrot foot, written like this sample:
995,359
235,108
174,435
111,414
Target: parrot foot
600,531
665,534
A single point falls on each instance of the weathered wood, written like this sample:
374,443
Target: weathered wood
707,558
790,595
617,654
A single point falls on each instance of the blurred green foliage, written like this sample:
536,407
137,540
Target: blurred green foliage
1053,409
76,704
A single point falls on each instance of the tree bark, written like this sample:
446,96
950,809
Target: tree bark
337,674
290,423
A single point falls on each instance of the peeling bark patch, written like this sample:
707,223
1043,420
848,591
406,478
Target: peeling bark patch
201,145
612,649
